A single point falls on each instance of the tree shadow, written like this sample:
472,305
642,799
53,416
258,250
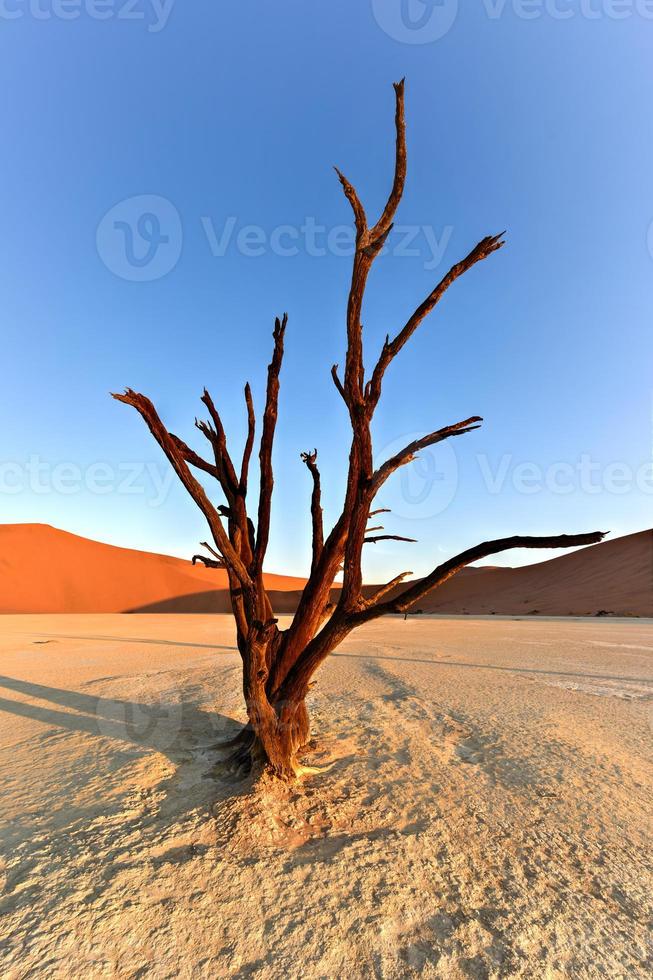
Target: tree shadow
509,670
158,726
138,639
215,601
83,804
188,736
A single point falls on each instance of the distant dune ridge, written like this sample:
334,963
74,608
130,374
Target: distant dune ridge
615,576
43,569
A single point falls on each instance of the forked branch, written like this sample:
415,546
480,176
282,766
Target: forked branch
194,458
216,562
208,562
369,243
177,459
218,439
371,239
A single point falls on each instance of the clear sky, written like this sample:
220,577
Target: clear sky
141,140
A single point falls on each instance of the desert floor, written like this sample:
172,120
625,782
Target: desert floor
485,813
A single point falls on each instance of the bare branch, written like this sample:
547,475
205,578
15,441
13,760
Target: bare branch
267,440
388,587
338,383
356,206
249,444
208,547
392,347
310,459
383,225
388,537
208,562
445,571
407,454
176,457
380,510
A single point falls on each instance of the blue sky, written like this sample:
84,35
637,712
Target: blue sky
223,121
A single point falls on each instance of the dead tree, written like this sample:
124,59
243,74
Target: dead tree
278,665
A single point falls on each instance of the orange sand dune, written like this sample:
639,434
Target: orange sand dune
43,569
47,570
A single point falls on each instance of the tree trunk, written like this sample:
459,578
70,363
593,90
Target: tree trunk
277,734
280,727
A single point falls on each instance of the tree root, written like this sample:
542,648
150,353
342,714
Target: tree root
248,758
